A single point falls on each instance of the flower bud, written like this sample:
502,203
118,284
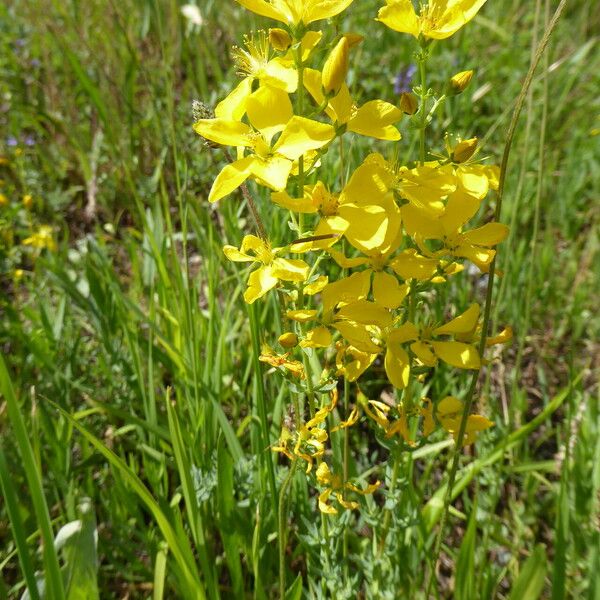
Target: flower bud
279,39
288,339
460,81
27,201
336,67
3,200
408,103
464,150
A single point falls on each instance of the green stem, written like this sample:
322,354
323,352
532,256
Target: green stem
488,300
265,453
300,112
282,527
422,59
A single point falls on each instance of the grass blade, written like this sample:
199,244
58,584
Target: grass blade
53,577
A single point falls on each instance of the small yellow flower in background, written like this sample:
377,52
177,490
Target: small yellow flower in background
449,412
27,201
41,239
3,200
18,274
295,12
4,161
437,20
273,268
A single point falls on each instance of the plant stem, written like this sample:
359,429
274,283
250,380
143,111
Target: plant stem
422,59
488,300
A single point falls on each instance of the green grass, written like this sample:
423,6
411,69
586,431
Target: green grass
130,373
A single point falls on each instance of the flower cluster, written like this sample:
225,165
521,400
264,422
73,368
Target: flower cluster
366,256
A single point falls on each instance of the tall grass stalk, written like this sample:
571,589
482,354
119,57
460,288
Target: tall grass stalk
470,396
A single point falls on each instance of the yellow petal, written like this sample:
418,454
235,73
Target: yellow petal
459,209
265,9
302,315
488,235
290,269
269,110
387,291
302,135
463,324
410,265
351,420
357,335
233,254
259,283
320,337
233,107
397,365
345,262
323,474
405,333
324,9
348,289
230,178
347,504
300,205
367,226
366,313
273,172
423,353
278,74
224,131
504,336
316,286
400,15
374,119
457,354
323,506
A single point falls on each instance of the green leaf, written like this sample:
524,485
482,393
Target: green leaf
294,592
465,565
530,582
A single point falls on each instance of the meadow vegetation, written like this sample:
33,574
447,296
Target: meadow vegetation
137,420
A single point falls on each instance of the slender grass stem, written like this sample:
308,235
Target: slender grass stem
488,300
282,527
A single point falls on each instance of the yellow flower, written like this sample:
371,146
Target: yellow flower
335,485
294,12
27,201
368,219
437,20
3,200
449,412
272,269
270,357
373,119
270,112
456,353
41,239
308,442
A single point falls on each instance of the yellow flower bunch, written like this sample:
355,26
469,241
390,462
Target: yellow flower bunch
375,250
